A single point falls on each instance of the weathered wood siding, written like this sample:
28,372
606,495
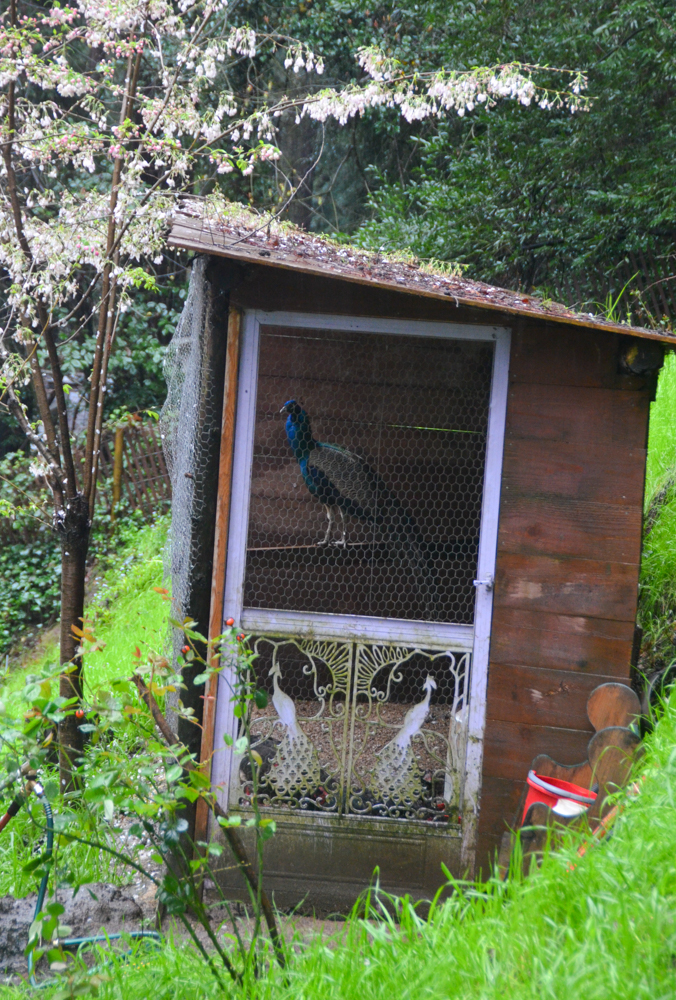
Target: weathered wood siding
568,555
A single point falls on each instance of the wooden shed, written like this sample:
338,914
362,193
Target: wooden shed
429,622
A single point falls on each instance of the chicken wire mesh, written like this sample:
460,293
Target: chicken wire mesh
365,499
190,427
366,489
178,429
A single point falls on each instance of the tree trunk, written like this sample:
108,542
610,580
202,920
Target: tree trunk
73,527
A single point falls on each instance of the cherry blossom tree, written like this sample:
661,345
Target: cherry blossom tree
111,109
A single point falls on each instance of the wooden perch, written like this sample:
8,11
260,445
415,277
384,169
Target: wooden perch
235,842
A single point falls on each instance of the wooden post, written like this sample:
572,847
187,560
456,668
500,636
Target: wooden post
220,548
117,471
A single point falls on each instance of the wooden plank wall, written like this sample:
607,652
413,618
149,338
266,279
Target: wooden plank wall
568,555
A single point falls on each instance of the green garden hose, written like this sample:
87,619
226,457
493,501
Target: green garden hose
68,942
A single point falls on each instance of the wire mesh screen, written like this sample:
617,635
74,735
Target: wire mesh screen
182,435
357,729
366,490
190,428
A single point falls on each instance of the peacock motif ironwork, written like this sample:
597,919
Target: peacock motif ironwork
398,778
359,729
295,767
300,740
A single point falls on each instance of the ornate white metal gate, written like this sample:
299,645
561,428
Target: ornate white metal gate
350,730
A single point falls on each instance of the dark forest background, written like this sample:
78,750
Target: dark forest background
573,206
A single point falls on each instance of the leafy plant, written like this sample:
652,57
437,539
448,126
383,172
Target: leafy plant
30,551
152,784
529,198
610,308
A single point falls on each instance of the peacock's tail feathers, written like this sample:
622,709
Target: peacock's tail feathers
295,767
405,539
396,777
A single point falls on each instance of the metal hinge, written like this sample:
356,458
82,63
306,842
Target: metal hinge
487,583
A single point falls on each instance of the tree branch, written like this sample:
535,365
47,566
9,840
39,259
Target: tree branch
61,409
16,408
107,298
41,398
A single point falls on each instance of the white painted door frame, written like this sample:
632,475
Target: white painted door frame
475,637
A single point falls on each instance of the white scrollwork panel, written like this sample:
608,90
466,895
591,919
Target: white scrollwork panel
358,728
408,732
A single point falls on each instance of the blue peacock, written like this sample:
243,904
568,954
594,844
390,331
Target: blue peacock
346,485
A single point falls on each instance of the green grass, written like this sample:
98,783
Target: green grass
606,929
126,612
658,569
662,438
601,927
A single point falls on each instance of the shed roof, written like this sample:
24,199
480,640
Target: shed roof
234,231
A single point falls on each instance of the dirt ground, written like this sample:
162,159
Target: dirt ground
101,907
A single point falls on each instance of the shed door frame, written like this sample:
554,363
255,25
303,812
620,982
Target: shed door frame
474,637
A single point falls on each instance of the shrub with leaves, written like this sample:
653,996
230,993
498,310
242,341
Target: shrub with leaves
30,556
127,770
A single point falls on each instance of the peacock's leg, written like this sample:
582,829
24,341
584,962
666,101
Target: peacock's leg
342,540
329,513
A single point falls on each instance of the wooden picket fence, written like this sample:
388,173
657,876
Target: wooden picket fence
132,461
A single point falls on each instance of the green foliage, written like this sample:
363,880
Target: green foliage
533,198
126,772
30,578
23,841
598,927
657,603
30,552
135,379
172,970
129,608
662,439
145,329
30,555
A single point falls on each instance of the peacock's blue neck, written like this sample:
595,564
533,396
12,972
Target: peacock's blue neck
299,433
